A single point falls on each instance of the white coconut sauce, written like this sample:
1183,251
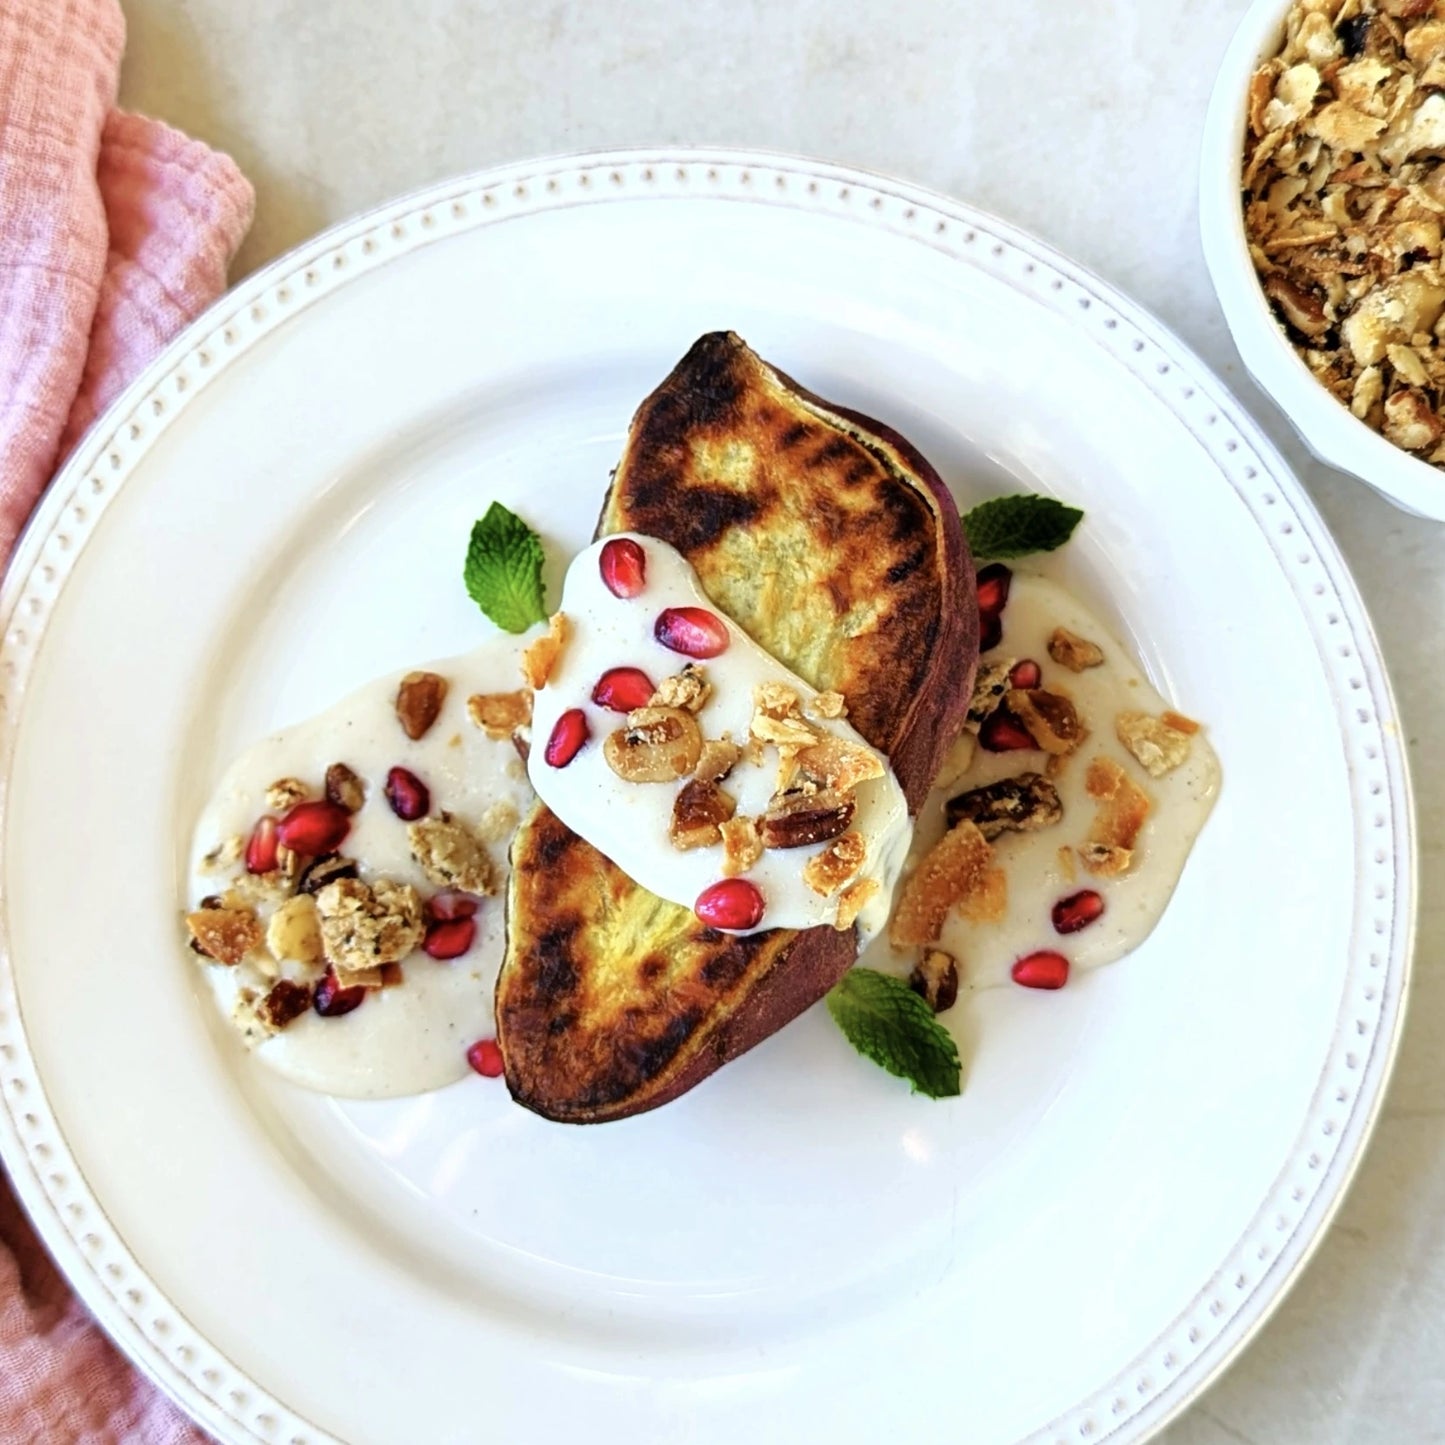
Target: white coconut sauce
413,1037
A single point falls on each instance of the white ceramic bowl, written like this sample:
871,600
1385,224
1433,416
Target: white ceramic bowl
1326,427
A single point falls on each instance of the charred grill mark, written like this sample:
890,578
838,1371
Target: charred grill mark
831,451
899,571
800,431
645,1057
859,471
695,518
651,969
556,975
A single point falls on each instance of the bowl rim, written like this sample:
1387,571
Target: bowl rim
1326,427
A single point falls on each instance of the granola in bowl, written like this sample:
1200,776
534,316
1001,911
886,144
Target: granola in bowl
1344,195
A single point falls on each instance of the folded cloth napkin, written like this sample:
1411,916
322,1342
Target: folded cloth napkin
115,230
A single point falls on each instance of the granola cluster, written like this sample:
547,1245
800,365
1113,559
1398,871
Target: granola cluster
1344,195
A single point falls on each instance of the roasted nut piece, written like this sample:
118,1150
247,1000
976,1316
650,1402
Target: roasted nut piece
293,931
1123,807
419,702
828,871
777,719
717,759
500,714
955,868
1076,653
226,935
742,847
1158,745
450,854
698,812
284,1004
344,788
323,870
855,898
1051,719
795,820
1020,804
989,688
541,657
687,689
658,745
285,793
935,979
364,927
1304,310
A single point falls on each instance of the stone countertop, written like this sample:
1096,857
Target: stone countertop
1081,124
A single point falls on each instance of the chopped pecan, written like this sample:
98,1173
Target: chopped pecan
1050,718
688,689
698,812
954,869
540,657
419,702
826,872
501,714
1021,804
344,788
935,979
224,934
1157,744
1076,653
795,820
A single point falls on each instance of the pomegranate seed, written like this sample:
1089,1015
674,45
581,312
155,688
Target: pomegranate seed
313,828
451,903
1044,969
1077,911
331,1000
990,631
733,903
449,938
692,631
621,689
485,1056
1026,674
407,794
993,584
1002,732
261,846
569,736
623,564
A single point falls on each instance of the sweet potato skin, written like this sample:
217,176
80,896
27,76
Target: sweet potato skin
833,542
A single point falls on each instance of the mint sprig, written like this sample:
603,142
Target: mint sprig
1007,527
503,570
887,1022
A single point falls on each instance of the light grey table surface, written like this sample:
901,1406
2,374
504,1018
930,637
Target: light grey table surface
1080,122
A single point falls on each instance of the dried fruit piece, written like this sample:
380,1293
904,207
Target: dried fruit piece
935,979
1050,718
284,1004
331,1001
293,931
1026,674
826,872
449,938
313,828
285,793
1076,653
993,584
623,689
261,847
733,904
797,820
658,745
408,797
226,935
951,871
1044,969
1077,911
698,812
1002,732
540,658
485,1056
344,788
1021,804
450,854
692,631
500,714
688,689
623,565
716,760
419,701
742,845
1155,743
569,736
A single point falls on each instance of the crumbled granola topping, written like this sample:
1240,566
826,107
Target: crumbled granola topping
363,927
224,855
225,934
1155,742
778,719
451,854
742,845
832,764
1344,194
953,870
1076,653
826,872
500,714
540,658
285,793
853,900
687,689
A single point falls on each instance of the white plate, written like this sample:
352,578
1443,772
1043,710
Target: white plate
798,1249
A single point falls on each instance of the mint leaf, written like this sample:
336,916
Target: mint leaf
503,571
887,1022
1008,527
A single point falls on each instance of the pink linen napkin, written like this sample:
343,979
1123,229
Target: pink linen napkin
115,230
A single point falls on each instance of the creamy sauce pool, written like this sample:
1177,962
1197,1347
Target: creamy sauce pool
413,1037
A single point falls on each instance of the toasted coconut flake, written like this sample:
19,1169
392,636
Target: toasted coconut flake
954,870
225,935
1157,745
540,658
1122,811
827,871
854,899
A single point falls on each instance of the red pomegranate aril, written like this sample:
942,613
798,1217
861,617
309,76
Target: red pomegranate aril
1044,969
990,631
331,1000
1077,911
314,828
993,584
485,1056
623,565
569,736
1002,732
451,903
734,903
692,631
1025,675
623,689
408,796
261,846
449,938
